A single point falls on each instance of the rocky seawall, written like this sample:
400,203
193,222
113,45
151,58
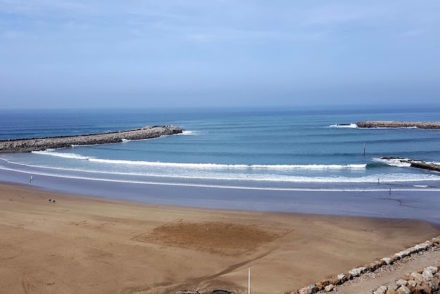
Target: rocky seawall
398,124
331,284
37,144
425,280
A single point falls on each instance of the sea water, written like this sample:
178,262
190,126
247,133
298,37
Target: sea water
246,148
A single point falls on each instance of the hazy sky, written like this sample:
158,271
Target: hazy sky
73,53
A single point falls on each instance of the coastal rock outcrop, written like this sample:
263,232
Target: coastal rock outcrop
37,144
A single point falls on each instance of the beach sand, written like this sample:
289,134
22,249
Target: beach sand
88,245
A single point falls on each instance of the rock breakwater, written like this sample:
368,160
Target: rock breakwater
412,163
38,144
398,124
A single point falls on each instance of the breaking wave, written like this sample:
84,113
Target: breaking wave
205,166
62,155
97,175
344,126
396,162
189,133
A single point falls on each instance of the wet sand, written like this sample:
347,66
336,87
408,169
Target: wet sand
370,201
89,245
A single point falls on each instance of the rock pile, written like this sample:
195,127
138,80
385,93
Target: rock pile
37,144
398,124
328,285
414,163
426,281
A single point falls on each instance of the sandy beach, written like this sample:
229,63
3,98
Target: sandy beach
87,245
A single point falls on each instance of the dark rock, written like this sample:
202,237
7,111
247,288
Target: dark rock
398,124
38,144
416,163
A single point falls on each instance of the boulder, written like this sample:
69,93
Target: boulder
412,285
341,278
375,265
357,271
432,269
401,282
427,275
403,290
334,281
329,288
417,277
381,290
403,253
423,288
391,291
435,282
310,289
387,260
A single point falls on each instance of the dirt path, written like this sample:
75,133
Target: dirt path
370,282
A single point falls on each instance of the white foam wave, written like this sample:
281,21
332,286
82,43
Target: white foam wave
206,166
62,155
344,126
125,140
393,162
189,133
309,166
385,178
57,175
217,166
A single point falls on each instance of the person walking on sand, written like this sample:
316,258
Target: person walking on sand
30,180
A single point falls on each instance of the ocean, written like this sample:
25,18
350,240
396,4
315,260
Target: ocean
249,148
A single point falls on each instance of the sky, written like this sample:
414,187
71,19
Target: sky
207,53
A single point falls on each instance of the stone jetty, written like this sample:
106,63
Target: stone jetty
37,144
415,163
398,124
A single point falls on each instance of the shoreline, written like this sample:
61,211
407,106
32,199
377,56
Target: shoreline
415,203
85,196
90,244
57,142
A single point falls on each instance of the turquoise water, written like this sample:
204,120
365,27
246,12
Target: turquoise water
248,147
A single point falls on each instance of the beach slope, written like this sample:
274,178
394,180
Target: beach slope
85,245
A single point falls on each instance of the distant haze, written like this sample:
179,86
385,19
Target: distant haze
89,53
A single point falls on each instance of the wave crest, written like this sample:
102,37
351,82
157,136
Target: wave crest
62,155
206,166
396,162
344,126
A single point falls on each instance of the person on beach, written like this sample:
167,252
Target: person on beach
30,180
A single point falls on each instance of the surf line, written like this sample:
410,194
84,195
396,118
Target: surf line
233,187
